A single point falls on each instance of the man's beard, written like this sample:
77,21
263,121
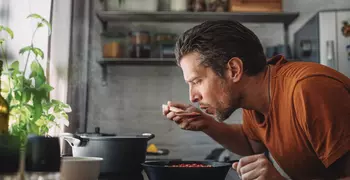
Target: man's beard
223,114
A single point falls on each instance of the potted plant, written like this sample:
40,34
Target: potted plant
27,90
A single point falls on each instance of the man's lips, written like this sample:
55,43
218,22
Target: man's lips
207,110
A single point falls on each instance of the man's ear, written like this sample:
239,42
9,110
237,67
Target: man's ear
235,69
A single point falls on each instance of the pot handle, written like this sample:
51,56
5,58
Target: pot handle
72,139
148,135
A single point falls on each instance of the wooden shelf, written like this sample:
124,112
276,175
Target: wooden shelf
285,18
138,61
274,17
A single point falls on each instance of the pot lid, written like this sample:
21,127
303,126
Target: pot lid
97,133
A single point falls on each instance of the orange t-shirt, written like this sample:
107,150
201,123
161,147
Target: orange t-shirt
308,124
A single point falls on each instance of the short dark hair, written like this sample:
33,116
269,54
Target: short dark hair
219,41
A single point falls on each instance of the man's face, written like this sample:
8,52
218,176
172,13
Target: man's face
216,95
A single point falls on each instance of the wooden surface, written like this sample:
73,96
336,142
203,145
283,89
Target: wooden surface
256,6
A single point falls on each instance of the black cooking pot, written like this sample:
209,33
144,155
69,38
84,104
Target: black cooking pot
164,170
121,154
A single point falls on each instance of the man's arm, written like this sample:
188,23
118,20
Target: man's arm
322,108
233,138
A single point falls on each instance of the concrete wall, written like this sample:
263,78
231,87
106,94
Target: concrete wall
131,102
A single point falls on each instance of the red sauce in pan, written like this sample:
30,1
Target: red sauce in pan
194,165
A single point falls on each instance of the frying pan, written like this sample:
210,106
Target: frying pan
162,170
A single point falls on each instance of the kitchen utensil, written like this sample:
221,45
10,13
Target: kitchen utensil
187,113
121,154
160,152
160,170
80,168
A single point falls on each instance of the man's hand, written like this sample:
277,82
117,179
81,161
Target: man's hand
256,167
187,117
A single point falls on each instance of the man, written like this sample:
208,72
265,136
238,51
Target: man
298,111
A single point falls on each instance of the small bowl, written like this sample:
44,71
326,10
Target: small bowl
80,168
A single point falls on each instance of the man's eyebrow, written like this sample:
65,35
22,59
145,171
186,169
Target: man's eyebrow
192,79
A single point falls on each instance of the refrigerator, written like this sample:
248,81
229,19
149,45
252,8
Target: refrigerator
325,39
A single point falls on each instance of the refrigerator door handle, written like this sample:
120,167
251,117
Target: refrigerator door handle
330,54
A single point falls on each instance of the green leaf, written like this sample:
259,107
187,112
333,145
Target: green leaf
48,25
41,122
18,95
9,31
38,52
40,25
51,117
64,115
56,109
9,97
29,107
2,40
15,66
32,74
25,49
38,74
34,15
55,102
37,107
26,96
27,83
5,87
46,87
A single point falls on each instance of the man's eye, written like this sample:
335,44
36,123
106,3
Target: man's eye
197,82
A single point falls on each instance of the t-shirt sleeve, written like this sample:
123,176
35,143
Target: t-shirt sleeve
249,127
322,107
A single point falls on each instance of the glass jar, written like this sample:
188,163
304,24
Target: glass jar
113,45
218,5
164,44
140,44
167,51
140,51
139,37
197,5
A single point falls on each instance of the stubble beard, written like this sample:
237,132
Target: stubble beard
224,113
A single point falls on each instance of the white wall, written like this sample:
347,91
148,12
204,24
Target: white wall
14,15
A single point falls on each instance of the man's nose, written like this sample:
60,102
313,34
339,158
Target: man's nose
194,96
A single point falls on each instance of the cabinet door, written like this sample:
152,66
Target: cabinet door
343,43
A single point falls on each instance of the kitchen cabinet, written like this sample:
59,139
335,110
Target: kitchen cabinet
106,17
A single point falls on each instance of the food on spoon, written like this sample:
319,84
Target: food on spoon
175,109
172,108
